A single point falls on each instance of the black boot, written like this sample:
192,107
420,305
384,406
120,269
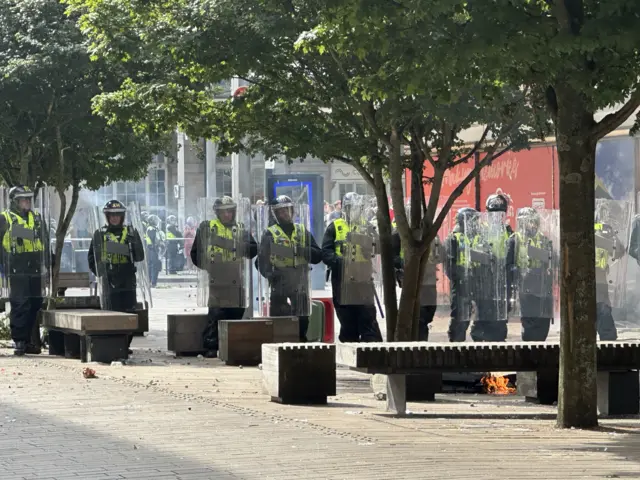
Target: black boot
33,349
21,348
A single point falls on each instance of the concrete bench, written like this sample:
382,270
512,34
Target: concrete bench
74,280
299,373
90,335
240,341
618,362
184,333
142,310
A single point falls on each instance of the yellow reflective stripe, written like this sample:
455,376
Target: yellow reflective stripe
111,257
224,232
342,231
27,246
298,237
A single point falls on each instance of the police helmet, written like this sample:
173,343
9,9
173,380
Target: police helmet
465,215
278,204
224,203
20,191
528,217
497,203
350,199
172,220
114,206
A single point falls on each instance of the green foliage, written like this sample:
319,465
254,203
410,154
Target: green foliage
47,81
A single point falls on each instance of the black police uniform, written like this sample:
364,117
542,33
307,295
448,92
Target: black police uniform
117,273
358,323
199,258
288,284
24,270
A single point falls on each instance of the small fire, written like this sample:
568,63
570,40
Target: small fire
497,385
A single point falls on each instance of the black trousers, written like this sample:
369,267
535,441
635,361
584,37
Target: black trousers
124,301
210,338
427,312
481,330
605,325
23,316
535,329
358,323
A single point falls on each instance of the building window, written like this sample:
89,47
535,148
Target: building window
361,188
223,176
154,201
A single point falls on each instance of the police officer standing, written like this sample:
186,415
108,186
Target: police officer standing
492,283
115,249
356,312
220,248
459,269
530,263
154,248
25,257
288,274
175,252
608,249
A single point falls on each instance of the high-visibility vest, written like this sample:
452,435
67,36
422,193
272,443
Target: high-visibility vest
298,237
602,254
466,243
523,260
114,258
27,246
500,248
342,231
224,232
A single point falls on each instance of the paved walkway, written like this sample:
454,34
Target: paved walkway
164,418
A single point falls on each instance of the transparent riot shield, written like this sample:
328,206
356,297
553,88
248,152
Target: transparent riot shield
73,267
26,253
283,259
487,268
535,267
223,252
431,289
612,225
357,240
118,259
137,233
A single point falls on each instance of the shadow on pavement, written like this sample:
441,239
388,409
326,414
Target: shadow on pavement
38,446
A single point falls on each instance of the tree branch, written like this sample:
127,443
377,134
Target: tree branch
612,121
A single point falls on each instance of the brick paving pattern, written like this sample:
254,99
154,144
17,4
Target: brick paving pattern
164,418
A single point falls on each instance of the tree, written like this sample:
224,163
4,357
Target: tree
48,133
583,55
314,90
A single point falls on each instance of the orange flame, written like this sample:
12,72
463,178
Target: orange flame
497,385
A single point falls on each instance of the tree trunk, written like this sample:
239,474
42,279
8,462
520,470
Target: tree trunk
409,310
386,255
577,402
64,221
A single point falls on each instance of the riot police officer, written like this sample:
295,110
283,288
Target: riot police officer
153,239
357,316
210,243
115,249
530,265
459,269
288,277
25,257
609,248
491,324
175,252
